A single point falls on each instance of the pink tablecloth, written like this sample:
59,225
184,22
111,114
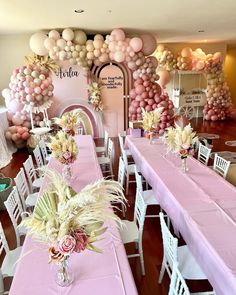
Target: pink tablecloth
107,273
201,204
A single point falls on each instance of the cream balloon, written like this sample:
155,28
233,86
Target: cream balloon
79,37
49,43
37,43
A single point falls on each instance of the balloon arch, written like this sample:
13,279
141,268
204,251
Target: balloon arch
31,86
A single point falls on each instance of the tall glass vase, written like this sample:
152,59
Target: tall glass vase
184,164
66,172
64,277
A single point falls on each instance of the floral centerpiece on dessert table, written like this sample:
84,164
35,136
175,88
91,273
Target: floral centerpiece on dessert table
69,122
181,140
151,121
70,222
94,91
64,148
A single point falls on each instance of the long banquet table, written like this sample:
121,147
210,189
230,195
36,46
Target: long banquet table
201,205
104,274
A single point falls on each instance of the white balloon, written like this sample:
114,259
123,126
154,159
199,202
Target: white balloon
37,43
68,34
54,35
49,43
61,43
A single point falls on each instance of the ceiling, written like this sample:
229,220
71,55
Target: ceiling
169,20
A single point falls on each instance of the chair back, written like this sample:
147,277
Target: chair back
38,157
30,172
221,166
15,211
121,172
139,182
110,150
106,137
3,241
121,142
44,151
170,245
22,186
140,212
203,154
177,283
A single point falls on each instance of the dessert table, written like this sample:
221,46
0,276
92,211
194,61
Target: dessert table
201,205
106,273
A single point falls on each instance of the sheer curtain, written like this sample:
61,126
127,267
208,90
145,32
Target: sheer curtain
6,148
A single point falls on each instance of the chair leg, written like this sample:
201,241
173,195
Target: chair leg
162,271
111,170
127,184
1,284
141,258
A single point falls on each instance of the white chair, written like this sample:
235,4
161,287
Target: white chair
203,154
28,200
9,262
16,213
178,285
80,131
148,195
221,166
132,231
121,178
106,161
121,142
103,149
38,157
129,170
34,181
187,264
44,151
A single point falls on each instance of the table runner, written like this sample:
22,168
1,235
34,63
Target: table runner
200,203
105,274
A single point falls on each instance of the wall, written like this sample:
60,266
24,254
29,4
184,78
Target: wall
13,49
230,72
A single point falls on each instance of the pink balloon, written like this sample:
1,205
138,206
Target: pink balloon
151,102
118,34
148,108
25,135
139,89
136,44
154,61
154,106
164,79
13,106
142,104
144,95
132,93
149,44
8,135
17,120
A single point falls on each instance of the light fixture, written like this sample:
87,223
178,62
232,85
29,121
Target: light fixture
79,10
201,31
205,40
109,11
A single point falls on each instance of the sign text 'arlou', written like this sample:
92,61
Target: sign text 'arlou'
67,73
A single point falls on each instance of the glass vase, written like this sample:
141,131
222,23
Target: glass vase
66,172
184,167
64,277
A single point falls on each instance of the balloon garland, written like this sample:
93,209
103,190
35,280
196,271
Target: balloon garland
219,105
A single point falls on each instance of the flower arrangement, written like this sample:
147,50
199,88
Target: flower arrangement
180,140
63,148
151,119
94,90
69,122
70,222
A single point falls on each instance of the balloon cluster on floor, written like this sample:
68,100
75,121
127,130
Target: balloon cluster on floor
19,120
134,52
219,105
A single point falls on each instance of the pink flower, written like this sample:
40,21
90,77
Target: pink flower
66,155
81,240
67,245
55,255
